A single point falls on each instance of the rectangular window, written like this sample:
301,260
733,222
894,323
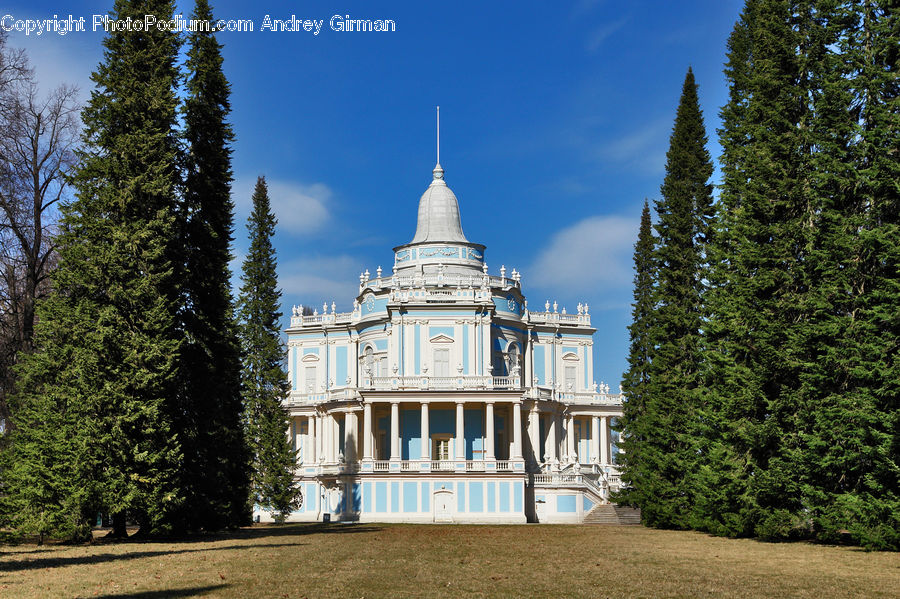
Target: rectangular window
311,379
570,378
442,449
442,361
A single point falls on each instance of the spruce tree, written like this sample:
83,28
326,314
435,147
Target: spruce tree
107,342
631,426
673,393
760,303
216,468
264,379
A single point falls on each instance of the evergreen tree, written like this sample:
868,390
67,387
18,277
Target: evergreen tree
216,467
631,429
107,341
264,379
760,303
672,395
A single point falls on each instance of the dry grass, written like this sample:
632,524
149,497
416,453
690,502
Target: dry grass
370,560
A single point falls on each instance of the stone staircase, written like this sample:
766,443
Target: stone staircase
607,513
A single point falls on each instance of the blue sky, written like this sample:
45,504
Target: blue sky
555,120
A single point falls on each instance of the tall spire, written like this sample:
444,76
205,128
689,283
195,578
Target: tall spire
438,172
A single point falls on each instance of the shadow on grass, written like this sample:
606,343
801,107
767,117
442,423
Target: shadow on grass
101,558
181,546
186,592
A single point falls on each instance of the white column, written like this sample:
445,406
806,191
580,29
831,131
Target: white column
570,439
309,454
317,440
460,433
517,431
395,430
551,438
604,440
329,435
367,431
426,435
486,340
533,430
595,439
350,437
489,425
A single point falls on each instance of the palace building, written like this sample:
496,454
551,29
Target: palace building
444,397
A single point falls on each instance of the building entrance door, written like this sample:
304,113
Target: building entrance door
443,505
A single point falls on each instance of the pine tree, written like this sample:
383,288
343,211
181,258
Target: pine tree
264,379
216,466
108,345
631,429
672,394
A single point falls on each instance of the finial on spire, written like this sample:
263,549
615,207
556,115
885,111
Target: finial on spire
438,172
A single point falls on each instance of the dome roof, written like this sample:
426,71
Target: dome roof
439,213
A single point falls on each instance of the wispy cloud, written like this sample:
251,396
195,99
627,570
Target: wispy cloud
300,207
600,34
642,149
587,257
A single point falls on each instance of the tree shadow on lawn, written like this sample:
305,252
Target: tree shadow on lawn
250,533
186,592
100,558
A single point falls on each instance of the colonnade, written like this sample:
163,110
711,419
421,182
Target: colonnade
558,445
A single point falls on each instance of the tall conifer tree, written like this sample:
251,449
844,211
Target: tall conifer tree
265,381
107,341
217,464
672,395
635,381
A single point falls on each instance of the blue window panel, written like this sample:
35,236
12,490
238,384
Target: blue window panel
381,344
411,434
311,495
473,428
310,350
417,354
565,503
340,369
518,490
426,497
465,348
395,497
539,365
587,504
492,497
584,362
476,497
367,498
295,364
381,497
409,497
461,497
357,496
504,497
434,331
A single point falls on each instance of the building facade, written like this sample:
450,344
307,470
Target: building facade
443,397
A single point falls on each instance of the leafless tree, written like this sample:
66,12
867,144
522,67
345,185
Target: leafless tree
37,140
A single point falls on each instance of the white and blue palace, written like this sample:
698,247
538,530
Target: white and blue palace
443,397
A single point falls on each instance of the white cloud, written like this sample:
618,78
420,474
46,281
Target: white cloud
300,207
587,257
312,280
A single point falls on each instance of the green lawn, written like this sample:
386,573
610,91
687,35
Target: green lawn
376,560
